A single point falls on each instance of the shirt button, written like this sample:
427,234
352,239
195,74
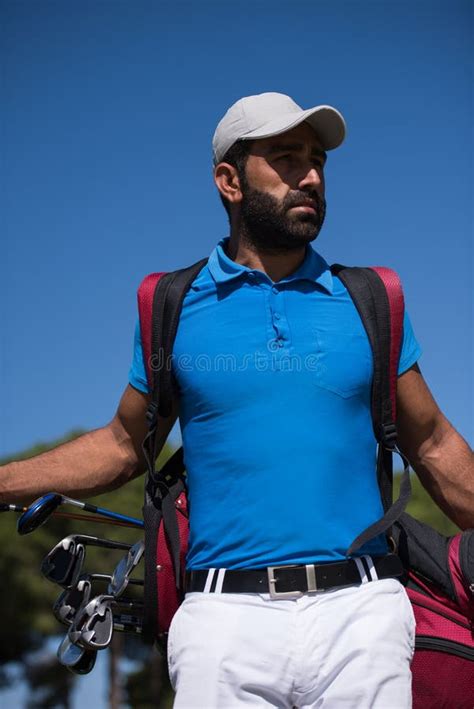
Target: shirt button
280,343
277,316
275,290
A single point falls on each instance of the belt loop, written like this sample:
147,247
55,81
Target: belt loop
370,565
220,580
361,569
209,579
311,578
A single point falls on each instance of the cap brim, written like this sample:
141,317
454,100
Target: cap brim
327,122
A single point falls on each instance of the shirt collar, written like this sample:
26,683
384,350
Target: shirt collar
314,268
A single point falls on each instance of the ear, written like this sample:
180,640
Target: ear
227,182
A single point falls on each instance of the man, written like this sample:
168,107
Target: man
274,373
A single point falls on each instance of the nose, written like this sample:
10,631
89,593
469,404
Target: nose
313,179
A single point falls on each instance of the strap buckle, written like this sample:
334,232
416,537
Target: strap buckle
389,436
152,415
272,582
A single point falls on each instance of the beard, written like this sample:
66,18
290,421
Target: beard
268,226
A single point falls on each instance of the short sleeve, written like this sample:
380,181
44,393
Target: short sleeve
411,349
137,374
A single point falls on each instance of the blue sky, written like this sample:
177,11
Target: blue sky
108,110
108,114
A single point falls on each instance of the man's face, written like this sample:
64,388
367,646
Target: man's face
283,205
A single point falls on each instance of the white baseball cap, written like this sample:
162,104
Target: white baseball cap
271,113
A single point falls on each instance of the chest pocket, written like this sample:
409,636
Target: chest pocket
344,362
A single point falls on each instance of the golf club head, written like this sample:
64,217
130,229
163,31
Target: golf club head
98,629
99,609
70,600
63,564
121,573
68,653
75,658
38,512
41,509
85,664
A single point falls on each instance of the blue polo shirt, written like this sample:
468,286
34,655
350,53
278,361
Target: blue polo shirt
275,382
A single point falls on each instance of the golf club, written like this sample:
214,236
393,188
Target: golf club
63,564
85,664
97,631
94,624
41,509
121,573
72,599
5,507
77,659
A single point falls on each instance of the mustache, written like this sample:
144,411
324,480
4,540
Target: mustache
297,199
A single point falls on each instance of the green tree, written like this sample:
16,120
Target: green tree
422,507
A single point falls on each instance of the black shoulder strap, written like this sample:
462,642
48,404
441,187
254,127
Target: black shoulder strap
168,300
369,295
167,304
370,298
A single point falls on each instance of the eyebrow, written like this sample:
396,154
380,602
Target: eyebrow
294,147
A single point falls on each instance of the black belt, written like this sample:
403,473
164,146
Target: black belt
293,581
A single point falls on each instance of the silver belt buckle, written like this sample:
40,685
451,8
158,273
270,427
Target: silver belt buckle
310,578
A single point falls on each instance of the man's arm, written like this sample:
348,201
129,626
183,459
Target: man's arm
439,455
91,464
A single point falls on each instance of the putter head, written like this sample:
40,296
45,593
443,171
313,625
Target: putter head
38,512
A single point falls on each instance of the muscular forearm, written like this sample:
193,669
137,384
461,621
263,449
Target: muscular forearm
445,466
93,463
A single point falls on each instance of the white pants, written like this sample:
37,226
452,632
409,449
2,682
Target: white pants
346,648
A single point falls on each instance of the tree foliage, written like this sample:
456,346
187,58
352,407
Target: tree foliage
422,507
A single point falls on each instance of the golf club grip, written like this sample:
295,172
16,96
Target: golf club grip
5,507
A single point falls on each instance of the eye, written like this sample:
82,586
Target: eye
318,162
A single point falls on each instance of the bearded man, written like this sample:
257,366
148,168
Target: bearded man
278,445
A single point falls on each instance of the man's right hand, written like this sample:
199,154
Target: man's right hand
96,462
